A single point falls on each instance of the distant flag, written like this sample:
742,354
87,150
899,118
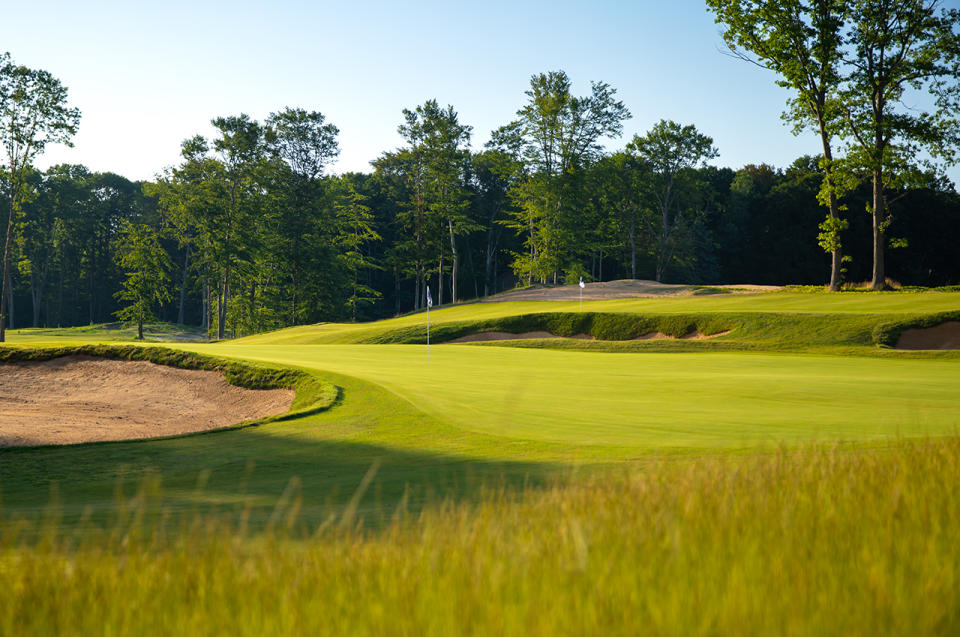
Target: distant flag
429,298
582,284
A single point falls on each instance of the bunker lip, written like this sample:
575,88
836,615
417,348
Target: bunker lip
481,337
76,399
943,336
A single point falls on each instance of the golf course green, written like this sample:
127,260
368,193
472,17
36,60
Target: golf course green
575,482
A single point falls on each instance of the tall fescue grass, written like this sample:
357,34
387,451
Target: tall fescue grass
818,541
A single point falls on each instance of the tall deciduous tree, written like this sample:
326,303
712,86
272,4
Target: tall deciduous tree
33,114
802,41
673,153
557,134
305,144
900,49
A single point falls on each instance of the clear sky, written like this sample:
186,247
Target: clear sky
148,75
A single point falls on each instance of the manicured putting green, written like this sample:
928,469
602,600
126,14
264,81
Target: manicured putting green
647,401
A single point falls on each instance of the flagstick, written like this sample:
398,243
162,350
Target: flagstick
428,332
581,299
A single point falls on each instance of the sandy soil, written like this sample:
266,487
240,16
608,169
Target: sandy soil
80,399
943,336
507,336
695,335
622,289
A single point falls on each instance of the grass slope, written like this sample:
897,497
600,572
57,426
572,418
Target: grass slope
880,304
507,490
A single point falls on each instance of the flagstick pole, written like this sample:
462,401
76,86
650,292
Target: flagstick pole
428,333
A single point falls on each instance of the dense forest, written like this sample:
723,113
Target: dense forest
255,241
250,231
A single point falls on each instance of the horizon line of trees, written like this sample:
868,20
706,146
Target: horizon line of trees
249,233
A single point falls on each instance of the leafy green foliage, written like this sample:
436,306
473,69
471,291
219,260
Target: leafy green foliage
146,264
33,114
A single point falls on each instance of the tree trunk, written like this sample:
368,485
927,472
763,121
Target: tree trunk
879,281
396,290
205,306
222,305
456,263
90,294
10,301
139,329
183,285
36,297
440,281
416,287
5,282
836,259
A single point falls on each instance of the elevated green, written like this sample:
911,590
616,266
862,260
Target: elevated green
855,314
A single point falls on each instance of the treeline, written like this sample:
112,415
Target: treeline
247,233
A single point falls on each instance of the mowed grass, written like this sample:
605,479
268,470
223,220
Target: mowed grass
621,405
815,541
892,303
500,490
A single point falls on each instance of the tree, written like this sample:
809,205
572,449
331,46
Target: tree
428,178
556,134
146,264
673,153
899,48
802,41
355,230
305,144
33,114
447,157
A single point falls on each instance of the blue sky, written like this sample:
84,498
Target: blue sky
146,76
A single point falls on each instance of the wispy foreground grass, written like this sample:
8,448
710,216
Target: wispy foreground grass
819,540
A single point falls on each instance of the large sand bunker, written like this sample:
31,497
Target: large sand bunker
80,399
943,336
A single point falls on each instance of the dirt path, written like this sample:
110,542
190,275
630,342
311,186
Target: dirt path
623,289
79,399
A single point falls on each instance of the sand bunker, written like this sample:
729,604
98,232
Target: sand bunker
622,289
943,336
507,336
695,335
80,399
479,337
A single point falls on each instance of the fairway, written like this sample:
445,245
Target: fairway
647,402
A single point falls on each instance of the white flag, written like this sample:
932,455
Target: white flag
582,284
429,298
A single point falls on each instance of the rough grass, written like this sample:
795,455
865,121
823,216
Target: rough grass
811,542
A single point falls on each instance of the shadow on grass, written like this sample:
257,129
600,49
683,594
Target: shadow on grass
306,468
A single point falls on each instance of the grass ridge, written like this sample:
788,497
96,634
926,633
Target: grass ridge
312,394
